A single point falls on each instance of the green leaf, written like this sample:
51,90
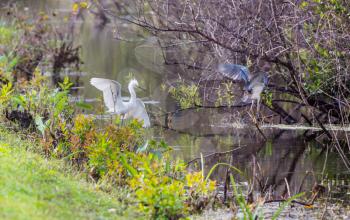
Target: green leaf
84,105
40,124
19,100
143,148
127,166
66,84
3,59
222,164
268,148
284,204
304,4
12,64
241,200
167,166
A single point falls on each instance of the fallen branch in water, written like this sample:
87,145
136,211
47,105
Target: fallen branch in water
204,107
317,189
213,154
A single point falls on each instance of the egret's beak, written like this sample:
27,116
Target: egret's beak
139,87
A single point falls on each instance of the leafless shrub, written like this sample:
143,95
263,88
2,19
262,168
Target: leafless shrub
42,43
304,45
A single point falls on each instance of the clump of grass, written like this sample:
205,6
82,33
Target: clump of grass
34,188
255,211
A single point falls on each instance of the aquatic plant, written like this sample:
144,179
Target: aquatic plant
186,95
224,95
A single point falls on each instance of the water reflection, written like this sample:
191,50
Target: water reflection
280,166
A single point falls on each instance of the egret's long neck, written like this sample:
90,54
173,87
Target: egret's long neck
132,91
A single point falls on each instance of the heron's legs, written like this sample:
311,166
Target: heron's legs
257,109
251,106
256,115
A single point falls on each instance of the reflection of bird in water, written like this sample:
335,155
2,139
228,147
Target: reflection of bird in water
254,85
134,108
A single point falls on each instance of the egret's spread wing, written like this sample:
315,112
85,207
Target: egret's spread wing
111,91
235,72
137,110
141,113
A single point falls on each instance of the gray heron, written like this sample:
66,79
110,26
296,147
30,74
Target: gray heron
253,84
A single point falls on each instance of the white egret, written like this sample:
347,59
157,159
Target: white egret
134,108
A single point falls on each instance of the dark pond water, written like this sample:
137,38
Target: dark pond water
286,157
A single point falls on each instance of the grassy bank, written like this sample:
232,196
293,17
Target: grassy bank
32,187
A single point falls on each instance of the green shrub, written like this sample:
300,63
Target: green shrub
201,192
187,95
7,35
160,196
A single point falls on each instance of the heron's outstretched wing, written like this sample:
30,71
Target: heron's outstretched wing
137,110
111,91
235,72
